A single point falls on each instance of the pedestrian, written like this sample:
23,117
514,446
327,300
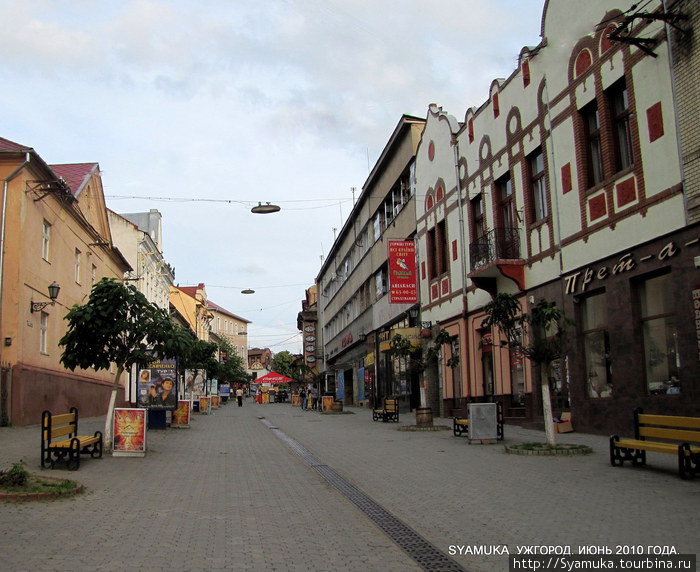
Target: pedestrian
314,397
302,397
239,397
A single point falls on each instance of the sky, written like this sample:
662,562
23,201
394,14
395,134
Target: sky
203,109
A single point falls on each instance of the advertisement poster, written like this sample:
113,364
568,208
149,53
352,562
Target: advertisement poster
225,392
195,382
212,387
340,387
181,415
215,401
205,405
361,384
157,385
129,430
403,286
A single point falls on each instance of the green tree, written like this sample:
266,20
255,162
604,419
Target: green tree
544,329
200,355
119,325
283,363
232,368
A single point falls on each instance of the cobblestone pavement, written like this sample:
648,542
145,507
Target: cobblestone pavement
229,493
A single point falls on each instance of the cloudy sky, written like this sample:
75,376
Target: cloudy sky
201,109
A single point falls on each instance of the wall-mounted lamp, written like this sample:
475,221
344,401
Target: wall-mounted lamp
54,289
362,336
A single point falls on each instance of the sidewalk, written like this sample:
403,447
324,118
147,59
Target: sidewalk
231,494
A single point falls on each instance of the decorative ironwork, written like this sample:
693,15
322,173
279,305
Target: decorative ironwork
498,244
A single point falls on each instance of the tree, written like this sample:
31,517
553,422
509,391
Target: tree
200,355
283,363
543,329
232,368
119,325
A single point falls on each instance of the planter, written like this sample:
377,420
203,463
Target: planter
424,417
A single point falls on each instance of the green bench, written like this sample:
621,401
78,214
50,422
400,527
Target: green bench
460,425
60,440
390,411
669,434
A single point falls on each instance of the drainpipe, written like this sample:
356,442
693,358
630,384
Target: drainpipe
6,184
460,208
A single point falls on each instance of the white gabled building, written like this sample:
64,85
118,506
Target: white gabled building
566,184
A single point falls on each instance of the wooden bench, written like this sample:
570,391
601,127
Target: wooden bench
460,425
390,411
60,440
668,434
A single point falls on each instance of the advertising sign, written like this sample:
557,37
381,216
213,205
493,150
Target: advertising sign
195,382
181,416
340,387
156,385
403,287
205,405
129,430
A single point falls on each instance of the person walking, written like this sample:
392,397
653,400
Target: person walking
314,397
239,397
302,397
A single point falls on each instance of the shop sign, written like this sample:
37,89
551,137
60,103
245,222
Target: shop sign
403,287
346,341
411,334
578,282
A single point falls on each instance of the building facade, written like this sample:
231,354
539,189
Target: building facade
567,185
54,230
358,311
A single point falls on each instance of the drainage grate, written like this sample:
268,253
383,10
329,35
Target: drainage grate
428,556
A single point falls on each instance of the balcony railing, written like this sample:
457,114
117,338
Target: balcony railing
497,244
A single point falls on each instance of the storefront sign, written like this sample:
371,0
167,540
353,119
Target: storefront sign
402,272
411,334
129,430
578,282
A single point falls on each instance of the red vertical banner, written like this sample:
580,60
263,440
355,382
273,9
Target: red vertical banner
402,272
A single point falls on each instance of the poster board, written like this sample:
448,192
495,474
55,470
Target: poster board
129,431
205,405
181,415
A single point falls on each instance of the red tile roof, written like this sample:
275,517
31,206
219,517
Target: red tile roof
75,175
7,145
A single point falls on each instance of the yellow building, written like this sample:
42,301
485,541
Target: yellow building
54,230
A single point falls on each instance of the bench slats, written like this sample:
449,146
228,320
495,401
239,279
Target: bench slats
670,421
670,434
84,440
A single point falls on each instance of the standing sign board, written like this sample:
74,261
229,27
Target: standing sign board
157,385
181,416
129,431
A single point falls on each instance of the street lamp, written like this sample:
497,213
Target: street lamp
248,291
54,289
266,208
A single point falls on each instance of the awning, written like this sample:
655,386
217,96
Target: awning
273,378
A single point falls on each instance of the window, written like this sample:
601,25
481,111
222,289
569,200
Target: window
380,283
437,250
478,219
77,266
622,138
596,346
43,333
661,359
538,186
594,158
507,236
45,240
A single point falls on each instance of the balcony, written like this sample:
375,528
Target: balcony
495,254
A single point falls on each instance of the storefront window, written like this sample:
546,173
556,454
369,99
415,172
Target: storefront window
661,359
596,343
